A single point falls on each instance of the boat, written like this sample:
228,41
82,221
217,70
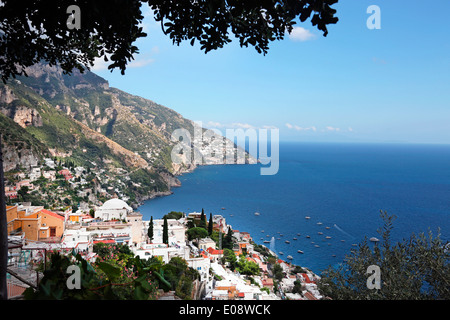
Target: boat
373,239
289,257
231,215
223,208
327,237
320,233
262,231
298,234
319,223
281,253
308,236
300,251
307,217
327,228
287,241
294,238
266,241
267,235
257,213
317,246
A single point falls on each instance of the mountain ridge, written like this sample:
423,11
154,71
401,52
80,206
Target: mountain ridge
81,119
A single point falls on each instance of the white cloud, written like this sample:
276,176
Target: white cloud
269,127
100,64
242,125
314,128
139,63
213,124
298,128
301,34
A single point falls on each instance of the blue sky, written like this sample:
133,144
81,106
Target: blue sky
355,85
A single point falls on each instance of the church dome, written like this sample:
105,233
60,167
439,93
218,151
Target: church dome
116,204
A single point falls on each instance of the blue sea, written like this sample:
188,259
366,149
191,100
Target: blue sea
341,187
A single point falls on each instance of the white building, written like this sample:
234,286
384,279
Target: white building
162,250
78,239
202,265
206,243
137,232
113,209
177,231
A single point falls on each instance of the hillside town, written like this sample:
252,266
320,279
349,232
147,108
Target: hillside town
35,230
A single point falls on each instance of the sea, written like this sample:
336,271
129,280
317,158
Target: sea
341,187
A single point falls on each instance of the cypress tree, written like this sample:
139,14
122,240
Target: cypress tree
210,224
202,223
150,229
165,232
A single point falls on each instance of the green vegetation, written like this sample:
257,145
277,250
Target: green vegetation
196,233
150,229
116,275
415,268
165,236
174,215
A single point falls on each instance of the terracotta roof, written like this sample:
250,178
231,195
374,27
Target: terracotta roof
105,241
310,296
53,214
214,251
307,279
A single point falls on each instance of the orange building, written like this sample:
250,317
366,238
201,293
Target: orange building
40,224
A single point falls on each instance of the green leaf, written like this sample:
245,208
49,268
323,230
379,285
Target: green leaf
112,272
163,281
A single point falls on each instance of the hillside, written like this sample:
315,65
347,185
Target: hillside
79,118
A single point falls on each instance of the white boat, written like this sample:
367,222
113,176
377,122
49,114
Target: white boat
308,236
299,251
287,241
319,223
327,237
294,238
373,239
289,257
320,233
257,213
307,217
281,253
317,246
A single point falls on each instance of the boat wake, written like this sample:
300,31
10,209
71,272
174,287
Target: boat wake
339,229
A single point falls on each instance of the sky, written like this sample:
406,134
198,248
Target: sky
356,85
